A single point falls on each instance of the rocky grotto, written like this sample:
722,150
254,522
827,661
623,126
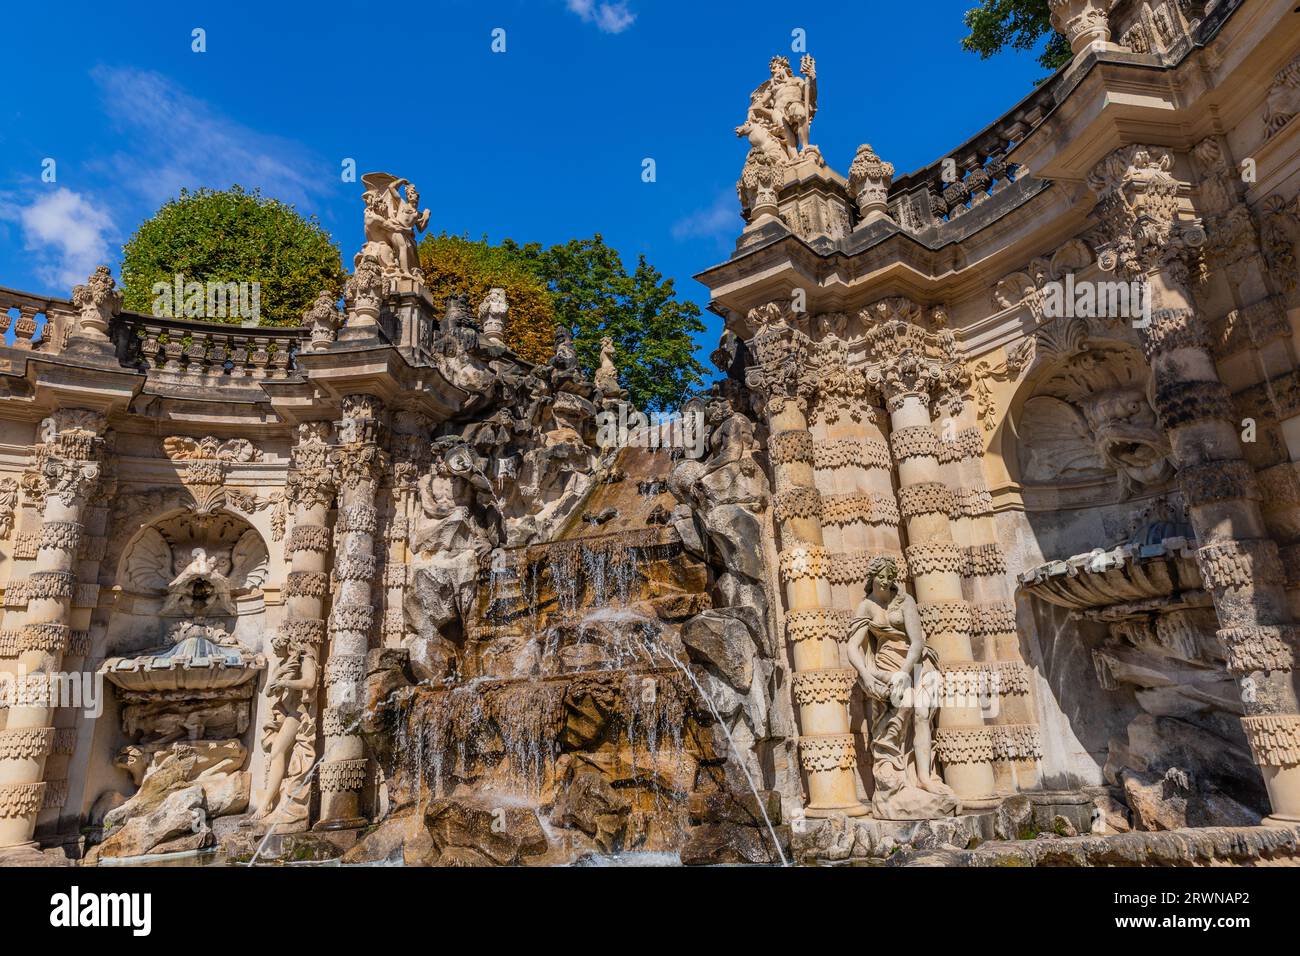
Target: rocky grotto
936,571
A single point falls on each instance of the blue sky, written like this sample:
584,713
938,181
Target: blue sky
544,142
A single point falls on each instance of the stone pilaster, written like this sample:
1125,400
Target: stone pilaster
1000,669
1240,565
309,491
72,441
914,368
814,627
359,464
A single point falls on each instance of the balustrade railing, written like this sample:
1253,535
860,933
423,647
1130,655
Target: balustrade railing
201,353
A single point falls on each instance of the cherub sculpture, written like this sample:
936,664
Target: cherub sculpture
391,222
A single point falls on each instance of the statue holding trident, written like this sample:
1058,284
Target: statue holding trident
785,105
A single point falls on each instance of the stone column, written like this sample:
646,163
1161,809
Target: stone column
1240,566
72,441
309,490
814,628
911,368
359,464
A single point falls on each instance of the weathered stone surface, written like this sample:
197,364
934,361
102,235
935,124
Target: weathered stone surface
494,836
723,639
180,815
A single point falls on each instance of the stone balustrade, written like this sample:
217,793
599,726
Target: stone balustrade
206,354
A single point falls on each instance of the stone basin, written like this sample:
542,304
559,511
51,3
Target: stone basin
1127,574
193,664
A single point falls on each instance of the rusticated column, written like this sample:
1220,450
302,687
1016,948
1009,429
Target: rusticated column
72,442
814,628
912,367
309,489
1000,671
1239,564
359,465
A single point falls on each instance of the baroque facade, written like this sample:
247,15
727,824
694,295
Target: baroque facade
995,530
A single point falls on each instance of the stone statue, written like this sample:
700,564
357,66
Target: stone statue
289,734
607,375
448,494
492,313
897,668
781,111
391,222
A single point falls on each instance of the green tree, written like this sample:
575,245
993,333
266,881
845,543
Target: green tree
455,265
233,236
996,25
594,296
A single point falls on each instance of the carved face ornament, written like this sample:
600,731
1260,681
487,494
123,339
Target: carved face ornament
1127,435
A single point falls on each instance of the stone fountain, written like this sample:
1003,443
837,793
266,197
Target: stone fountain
186,706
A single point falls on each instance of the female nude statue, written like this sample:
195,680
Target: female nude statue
897,668
291,730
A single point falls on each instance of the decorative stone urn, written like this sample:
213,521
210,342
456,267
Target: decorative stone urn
1084,22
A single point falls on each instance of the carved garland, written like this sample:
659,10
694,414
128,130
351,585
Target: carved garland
914,441
958,745
797,502
804,561
935,559
1260,647
984,560
996,618
1240,564
1017,742
846,452
343,775
945,617
927,497
1274,739
789,447
308,537
818,623
26,743
850,567
831,685
827,753
21,799
868,507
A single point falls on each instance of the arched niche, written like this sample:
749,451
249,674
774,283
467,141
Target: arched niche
160,551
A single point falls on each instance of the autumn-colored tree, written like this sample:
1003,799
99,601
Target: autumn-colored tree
457,266
233,236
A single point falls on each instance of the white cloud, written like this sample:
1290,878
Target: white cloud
719,221
608,17
67,234
172,139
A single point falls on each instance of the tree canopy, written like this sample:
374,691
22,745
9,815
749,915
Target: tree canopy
455,265
584,285
595,296
233,236
996,25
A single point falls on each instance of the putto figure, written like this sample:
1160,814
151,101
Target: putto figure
391,222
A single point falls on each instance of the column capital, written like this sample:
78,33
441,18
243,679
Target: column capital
1137,206
781,354
910,361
